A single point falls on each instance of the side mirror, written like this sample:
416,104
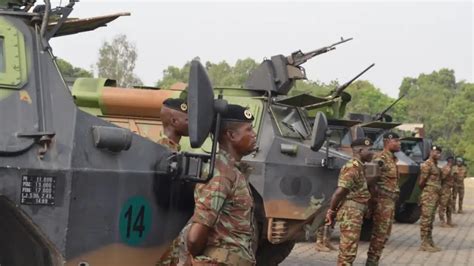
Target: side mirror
357,133
201,110
425,154
319,132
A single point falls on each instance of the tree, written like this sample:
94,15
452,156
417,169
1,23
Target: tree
117,61
220,74
69,71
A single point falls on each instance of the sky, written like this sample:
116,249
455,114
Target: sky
403,38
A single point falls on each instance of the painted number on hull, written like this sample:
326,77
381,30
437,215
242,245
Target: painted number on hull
135,220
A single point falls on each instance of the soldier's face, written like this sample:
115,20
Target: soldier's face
435,154
393,145
243,138
366,154
180,122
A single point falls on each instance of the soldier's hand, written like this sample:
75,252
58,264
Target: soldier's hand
330,215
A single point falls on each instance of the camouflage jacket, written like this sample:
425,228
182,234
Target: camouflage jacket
165,141
225,204
447,177
352,177
430,171
389,173
459,172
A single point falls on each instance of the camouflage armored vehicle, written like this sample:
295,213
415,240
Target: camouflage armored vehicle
75,189
292,175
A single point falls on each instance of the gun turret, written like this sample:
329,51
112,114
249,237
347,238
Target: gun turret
298,58
380,116
278,74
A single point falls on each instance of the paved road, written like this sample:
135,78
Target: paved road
402,247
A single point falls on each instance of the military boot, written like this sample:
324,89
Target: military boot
441,218
371,262
444,224
431,242
321,247
329,245
460,210
426,245
450,222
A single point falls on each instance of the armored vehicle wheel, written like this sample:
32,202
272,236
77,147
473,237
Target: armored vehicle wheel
408,213
269,254
366,231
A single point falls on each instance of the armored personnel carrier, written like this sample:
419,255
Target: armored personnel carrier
292,175
74,188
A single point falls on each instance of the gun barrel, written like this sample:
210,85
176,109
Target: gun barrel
299,58
380,115
345,85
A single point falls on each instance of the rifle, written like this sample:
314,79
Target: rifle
380,116
298,58
337,92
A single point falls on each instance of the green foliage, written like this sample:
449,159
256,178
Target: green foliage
221,74
117,61
69,71
446,109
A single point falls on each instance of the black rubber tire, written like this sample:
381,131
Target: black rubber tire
366,231
269,254
408,213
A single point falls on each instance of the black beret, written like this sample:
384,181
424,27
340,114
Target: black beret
391,135
366,142
237,113
176,104
436,148
450,158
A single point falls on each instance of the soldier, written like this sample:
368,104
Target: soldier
385,193
222,230
174,115
446,201
460,173
430,183
349,201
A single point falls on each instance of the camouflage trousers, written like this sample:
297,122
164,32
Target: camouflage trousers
320,234
429,201
446,203
458,191
382,216
350,223
177,249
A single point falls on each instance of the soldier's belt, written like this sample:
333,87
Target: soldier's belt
225,256
354,204
388,194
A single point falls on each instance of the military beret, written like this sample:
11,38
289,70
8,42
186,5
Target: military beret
366,142
176,104
237,113
391,135
450,158
436,148
459,159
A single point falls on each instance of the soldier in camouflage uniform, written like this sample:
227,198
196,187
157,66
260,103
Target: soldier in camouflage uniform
430,183
460,173
385,191
174,116
222,230
446,201
349,201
